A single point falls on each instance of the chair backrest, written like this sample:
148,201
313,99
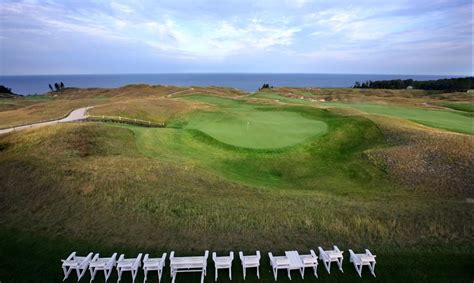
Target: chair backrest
112,260
86,261
270,255
313,254
241,256
231,254
172,255
258,255
138,261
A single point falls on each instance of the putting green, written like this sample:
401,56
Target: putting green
257,129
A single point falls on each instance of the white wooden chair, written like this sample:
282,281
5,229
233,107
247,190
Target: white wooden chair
310,260
223,262
128,264
279,262
105,264
78,263
250,261
188,264
329,256
153,264
359,260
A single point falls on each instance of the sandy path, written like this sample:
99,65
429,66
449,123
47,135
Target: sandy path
76,115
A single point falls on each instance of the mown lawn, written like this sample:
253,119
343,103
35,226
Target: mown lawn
442,119
115,188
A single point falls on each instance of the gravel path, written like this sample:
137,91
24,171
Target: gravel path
76,115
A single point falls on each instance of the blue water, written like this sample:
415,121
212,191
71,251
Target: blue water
248,82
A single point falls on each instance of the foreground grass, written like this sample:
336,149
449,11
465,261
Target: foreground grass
24,258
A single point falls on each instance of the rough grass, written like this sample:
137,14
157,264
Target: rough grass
115,188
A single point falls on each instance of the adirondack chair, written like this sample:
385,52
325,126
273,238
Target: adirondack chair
329,256
128,264
188,264
359,260
153,264
310,260
78,263
250,261
105,264
279,262
223,262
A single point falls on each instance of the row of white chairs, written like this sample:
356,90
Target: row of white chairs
292,260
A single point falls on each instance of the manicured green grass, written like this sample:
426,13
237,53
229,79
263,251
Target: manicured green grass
248,126
442,119
460,106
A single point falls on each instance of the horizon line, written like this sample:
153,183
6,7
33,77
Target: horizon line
232,73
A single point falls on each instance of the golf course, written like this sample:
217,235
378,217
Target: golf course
276,170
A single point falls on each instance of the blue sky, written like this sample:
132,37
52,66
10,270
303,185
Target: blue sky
285,36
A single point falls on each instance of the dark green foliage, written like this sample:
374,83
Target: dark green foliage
4,89
448,85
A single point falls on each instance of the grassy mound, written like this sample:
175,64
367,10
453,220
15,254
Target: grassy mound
253,126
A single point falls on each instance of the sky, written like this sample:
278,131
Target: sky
243,36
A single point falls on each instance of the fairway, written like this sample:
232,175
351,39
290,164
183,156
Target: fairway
455,121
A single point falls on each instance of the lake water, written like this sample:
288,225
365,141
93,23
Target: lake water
248,82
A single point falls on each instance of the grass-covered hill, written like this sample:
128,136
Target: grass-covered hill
233,171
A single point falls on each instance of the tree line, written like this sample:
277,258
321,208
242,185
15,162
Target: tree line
57,86
454,84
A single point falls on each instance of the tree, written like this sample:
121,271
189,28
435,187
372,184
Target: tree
51,87
62,85
56,86
4,89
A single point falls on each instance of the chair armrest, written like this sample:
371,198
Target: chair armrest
70,257
367,252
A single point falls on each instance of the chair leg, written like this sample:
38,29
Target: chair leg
66,271
93,271
289,273
258,272
275,273
107,273
134,275
230,273
327,264
119,275
372,268
215,276
145,272
339,263
244,271
315,268
302,272
202,276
